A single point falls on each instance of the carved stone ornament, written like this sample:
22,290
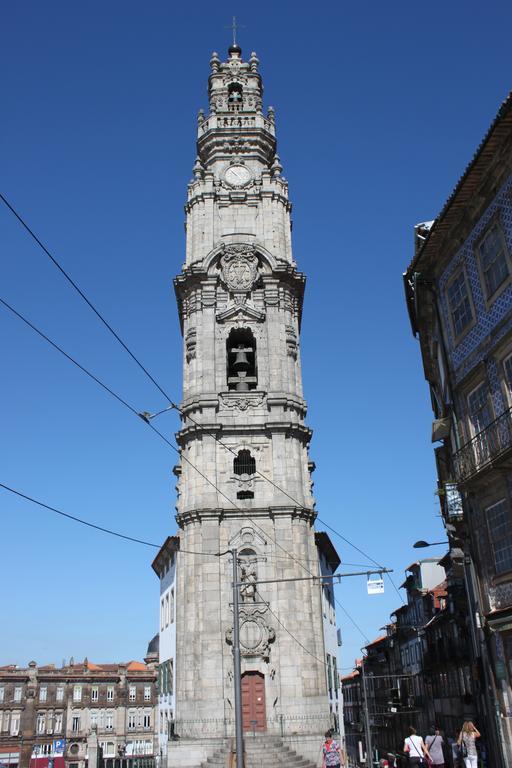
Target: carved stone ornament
242,402
239,267
256,636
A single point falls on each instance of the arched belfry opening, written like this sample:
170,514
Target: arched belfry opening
244,467
235,95
241,360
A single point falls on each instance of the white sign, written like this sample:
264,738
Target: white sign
375,586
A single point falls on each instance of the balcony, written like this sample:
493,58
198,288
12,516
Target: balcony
485,449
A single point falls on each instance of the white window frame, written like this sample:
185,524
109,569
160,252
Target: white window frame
77,693
17,694
110,693
43,693
147,693
14,725
132,693
94,693
57,726
75,720
41,723
59,693
109,721
2,694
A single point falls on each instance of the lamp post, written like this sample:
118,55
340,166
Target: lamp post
422,544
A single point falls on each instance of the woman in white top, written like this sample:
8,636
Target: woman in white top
415,748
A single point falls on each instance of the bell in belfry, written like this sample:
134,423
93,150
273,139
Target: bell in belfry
241,362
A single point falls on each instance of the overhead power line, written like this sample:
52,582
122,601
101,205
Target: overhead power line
153,428
78,519
156,383
100,527
163,392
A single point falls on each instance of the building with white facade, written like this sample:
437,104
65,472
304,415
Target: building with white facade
329,562
164,566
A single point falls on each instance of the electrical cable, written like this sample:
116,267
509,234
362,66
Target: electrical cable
151,426
168,442
320,661
77,519
159,387
99,527
169,399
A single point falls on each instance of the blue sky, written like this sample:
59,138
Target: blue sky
379,109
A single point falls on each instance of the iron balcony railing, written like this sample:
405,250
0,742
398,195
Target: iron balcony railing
485,448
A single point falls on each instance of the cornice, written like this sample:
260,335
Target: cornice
220,514
267,428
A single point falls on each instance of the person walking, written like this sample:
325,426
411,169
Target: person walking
435,743
467,743
331,752
415,748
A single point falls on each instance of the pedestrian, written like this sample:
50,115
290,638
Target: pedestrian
435,746
467,743
331,752
415,748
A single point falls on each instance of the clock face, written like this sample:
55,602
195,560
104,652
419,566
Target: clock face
237,175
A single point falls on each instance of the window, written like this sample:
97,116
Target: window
241,360
43,693
162,614
171,607
131,721
500,535
132,694
41,723
110,693
235,94
58,722
75,723
167,610
109,722
109,750
59,696
479,408
94,719
461,311
2,693
94,693
147,693
493,258
147,720
77,693
17,693
15,723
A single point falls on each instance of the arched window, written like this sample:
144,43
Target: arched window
241,360
244,466
235,94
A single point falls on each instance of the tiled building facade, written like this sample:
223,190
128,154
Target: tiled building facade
459,294
48,713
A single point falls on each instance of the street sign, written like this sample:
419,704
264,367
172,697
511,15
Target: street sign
375,586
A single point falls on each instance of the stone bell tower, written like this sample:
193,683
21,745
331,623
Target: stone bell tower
240,301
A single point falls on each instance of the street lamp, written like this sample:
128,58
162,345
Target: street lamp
422,544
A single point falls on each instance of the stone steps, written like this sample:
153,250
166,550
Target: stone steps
261,752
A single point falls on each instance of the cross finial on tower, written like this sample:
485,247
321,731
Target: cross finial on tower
233,27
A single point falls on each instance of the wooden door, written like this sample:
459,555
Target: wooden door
253,702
